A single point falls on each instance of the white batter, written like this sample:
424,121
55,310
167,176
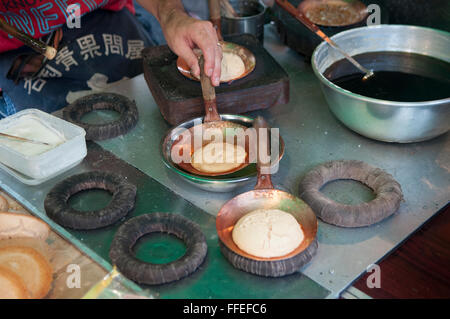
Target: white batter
31,127
218,157
267,233
232,67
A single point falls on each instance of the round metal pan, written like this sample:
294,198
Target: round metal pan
247,57
358,9
223,183
264,196
225,128
212,124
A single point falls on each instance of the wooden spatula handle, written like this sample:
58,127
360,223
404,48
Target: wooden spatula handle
209,94
214,16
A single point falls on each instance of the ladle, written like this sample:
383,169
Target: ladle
286,5
211,121
245,54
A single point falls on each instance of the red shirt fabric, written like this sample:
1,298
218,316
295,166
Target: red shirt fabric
40,17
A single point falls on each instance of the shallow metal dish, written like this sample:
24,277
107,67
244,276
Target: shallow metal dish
247,57
218,184
241,205
388,121
357,7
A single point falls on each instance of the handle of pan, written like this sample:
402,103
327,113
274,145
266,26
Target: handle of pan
214,16
228,9
209,94
286,5
264,175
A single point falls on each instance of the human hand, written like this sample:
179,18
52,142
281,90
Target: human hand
269,3
184,33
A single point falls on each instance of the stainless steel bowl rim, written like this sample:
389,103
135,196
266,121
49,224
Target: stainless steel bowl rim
205,179
360,97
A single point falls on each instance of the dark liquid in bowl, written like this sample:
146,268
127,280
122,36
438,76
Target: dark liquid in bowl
399,76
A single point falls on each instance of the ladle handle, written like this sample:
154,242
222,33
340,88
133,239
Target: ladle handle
286,5
228,9
214,16
209,94
264,179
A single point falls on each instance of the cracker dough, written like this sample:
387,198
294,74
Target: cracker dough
267,233
218,157
30,266
232,67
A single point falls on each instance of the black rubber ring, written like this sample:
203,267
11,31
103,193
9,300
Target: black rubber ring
276,268
387,190
123,199
154,274
103,101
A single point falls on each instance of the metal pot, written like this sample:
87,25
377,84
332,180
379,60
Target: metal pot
388,121
251,19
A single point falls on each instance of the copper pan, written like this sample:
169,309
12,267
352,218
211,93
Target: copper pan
264,196
211,121
246,55
355,7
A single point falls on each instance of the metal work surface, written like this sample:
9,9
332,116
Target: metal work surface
215,278
312,136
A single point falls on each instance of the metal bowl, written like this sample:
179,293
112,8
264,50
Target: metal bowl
388,121
218,184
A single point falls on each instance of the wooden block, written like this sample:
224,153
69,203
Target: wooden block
180,99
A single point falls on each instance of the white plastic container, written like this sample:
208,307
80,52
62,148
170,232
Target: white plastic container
41,167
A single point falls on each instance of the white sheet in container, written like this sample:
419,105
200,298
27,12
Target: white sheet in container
48,163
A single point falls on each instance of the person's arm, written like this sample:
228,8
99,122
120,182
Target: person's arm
183,33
